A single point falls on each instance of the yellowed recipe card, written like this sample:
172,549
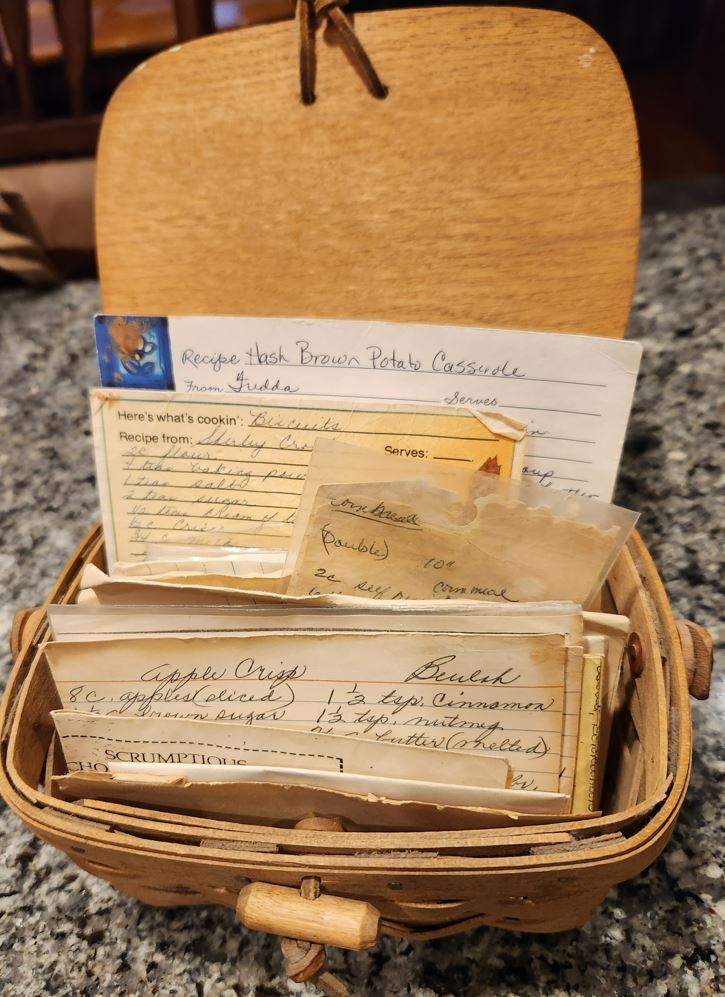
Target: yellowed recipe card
176,468
499,694
399,540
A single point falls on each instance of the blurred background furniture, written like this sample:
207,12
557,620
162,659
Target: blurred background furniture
60,61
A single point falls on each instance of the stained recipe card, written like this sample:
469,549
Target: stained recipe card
400,540
229,471
499,694
90,743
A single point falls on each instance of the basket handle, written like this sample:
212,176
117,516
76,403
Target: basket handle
698,656
18,629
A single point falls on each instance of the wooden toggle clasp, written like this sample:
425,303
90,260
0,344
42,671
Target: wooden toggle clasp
309,919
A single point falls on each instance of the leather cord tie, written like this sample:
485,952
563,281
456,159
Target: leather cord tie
305,961
309,13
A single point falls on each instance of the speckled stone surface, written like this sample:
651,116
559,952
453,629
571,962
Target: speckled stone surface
63,932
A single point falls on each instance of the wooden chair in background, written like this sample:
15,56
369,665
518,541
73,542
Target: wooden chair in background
60,61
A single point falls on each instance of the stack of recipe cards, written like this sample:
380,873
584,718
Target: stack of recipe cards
359,584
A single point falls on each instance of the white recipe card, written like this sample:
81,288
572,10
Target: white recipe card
573,391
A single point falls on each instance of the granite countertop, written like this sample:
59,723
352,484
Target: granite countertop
64,932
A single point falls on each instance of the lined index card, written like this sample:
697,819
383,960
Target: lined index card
574,391
227,470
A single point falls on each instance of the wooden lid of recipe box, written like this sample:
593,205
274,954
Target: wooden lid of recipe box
498,183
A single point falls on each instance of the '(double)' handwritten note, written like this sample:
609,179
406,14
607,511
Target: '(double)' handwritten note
499,694
230,471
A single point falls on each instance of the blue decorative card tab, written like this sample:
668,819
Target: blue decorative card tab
134,352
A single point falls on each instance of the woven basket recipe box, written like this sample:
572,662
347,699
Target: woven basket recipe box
496,184
423,883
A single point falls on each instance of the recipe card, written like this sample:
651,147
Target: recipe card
92,743
229,471
195,753
574,391
74,622
498,694
400,540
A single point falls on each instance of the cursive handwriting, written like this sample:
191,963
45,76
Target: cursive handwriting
378,551
375,511
485,695
447,589
273,385
436,671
